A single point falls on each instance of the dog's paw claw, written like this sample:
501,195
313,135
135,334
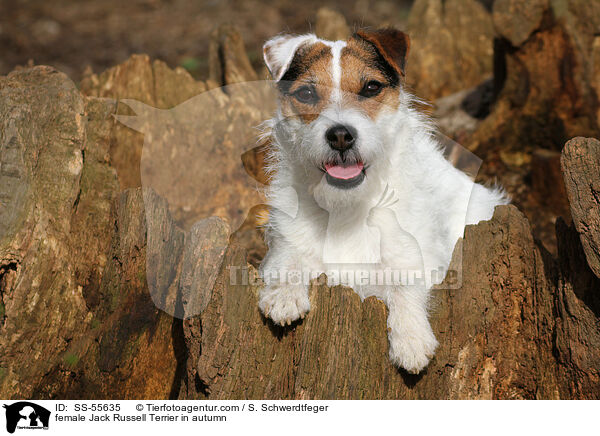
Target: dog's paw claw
412,350
284,304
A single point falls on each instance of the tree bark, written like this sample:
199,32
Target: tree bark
92,268
451,46
581,167
499,333
546,79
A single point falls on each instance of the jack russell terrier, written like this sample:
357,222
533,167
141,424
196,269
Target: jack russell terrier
368,182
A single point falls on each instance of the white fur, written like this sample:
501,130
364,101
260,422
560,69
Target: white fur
281,51
336,67
406,215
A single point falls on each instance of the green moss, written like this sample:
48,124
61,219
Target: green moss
3,373
114,301
71,359
191,64
112,291
95,324
131,348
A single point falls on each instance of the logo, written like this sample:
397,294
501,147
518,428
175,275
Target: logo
26,415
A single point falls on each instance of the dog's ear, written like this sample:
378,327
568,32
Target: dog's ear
392,44
278,52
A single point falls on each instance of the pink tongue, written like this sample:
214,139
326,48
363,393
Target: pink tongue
340,172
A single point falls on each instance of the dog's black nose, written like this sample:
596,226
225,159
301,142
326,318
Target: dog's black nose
340,137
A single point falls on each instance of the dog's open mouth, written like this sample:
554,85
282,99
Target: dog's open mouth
345,176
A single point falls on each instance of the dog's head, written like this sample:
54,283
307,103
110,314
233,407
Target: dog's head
337,106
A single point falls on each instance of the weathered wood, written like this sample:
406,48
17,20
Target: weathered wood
581,169
577,309
199,138
545,76
77,317
497,334
88,274
451,46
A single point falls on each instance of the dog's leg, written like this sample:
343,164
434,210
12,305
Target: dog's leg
412,342
284,298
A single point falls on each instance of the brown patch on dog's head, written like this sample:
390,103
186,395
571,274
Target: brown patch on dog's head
392,44
372,68
307,84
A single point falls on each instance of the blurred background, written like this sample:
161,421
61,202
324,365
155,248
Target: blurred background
510,80
74,34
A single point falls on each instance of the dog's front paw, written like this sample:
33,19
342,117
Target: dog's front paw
412,348
284,304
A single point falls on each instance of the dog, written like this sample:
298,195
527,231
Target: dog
368,183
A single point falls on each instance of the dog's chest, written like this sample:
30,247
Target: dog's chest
373,239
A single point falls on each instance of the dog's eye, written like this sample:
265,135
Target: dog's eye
371,89
306,94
